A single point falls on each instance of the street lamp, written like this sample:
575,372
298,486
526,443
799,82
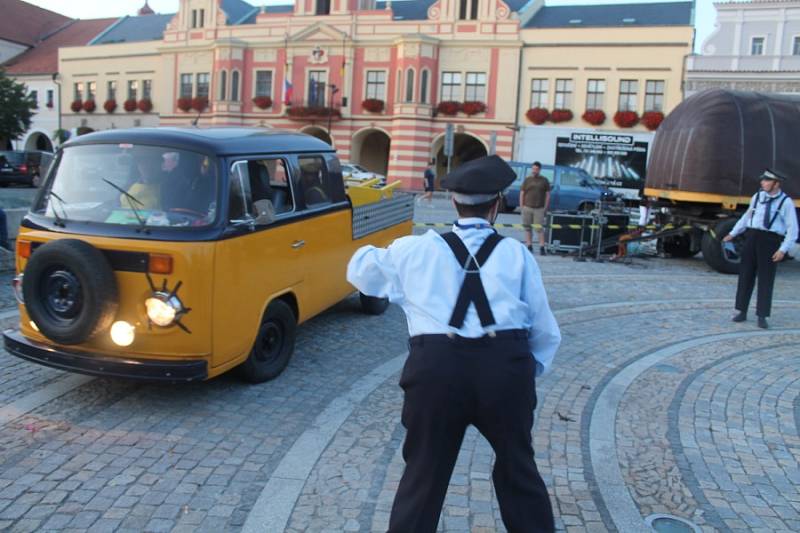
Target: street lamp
334,90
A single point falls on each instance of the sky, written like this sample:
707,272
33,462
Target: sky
704,16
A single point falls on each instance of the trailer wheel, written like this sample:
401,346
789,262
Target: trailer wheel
679,246
713,252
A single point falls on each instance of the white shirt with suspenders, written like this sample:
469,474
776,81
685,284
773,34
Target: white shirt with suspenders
783,217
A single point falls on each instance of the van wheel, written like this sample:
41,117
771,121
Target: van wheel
273,346
713,252
586,207
372,305
679,246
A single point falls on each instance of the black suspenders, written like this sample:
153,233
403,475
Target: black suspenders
757,199
472,290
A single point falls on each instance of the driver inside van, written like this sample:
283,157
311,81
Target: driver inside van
147,187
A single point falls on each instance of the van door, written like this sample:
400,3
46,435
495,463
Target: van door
258,259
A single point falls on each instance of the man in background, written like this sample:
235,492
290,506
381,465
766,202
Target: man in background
534,199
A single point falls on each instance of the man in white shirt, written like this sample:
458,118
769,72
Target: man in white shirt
481,330
770,228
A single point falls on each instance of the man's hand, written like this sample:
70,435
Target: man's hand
727,238
778,256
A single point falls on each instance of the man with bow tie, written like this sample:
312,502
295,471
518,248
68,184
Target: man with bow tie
770,229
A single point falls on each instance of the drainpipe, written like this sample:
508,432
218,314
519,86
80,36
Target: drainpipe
57,81
516,126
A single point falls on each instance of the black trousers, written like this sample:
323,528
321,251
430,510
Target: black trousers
759,247
450,384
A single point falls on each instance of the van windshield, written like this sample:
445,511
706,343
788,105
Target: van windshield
132,185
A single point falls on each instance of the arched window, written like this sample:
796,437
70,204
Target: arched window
468,9
423,87
223,85
235,86
410,85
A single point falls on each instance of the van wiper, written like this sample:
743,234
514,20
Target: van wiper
132,200
59,220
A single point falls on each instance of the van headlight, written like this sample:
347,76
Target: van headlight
163,308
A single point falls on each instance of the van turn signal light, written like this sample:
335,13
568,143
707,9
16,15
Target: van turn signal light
24,249
160,264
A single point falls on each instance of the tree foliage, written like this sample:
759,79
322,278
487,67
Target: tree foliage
16,108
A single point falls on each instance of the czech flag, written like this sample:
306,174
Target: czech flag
287,91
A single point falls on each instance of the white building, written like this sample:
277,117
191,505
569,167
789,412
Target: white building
755,47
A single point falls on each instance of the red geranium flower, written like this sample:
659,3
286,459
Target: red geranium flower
262,102
145,105
449,108
373,105
473,108
76,106
626,119
89,106
200,103
537,115
561,115
652,119
110,105
185,104
595,117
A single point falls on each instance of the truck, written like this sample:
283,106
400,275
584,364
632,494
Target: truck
177,254
705,164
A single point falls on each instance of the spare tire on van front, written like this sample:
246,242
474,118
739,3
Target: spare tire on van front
70,291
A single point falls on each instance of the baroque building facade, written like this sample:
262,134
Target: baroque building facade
384,81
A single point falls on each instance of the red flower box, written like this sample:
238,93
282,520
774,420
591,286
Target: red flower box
199,103
262,102
311,112
537,115
449,108
652,119
373,105
49,105
145,105
110,105
473,108
185,104
76,106
595,117
129,105
626,119
561,115
89,106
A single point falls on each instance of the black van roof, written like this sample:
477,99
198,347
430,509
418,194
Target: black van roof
214,140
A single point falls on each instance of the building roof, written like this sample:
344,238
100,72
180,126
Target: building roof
26,24
238,11
43,58
418,9
613,15
135,29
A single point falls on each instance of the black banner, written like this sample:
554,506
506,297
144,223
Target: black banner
618,160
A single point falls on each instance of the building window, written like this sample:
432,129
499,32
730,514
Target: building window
654,95
34,96
264,83
323,7
796,46
476,87
757,46
563,94
595,93
539,90
147,89
628,89
78,91
223,84
133,90
203,84
409,85
376,84
468,9
423,87
451,87
49,97
91,90
235,85
198,18
317,81
186,86
111,90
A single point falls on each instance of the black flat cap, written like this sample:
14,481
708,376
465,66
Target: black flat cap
484,176
769,174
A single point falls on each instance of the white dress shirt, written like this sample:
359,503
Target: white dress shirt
785,223
422,275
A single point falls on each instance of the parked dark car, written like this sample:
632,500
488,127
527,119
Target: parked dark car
571,189
22,167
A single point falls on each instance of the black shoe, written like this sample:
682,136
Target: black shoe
529,247
762,323
542,251
741,317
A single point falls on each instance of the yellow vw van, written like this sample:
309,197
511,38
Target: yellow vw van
177,254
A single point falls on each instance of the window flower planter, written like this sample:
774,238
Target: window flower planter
110,105
537,115
561,115
626,119
373,105
199,103
652,119
449,108
473,108
76,106
145,105
89,106
595,117
185,104
262,102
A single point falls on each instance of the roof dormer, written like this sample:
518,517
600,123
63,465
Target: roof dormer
469,10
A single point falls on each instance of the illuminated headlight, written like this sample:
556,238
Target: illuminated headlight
122,333
163,309
16,283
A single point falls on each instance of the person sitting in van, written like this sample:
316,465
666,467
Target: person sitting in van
311,180
147,187
187,184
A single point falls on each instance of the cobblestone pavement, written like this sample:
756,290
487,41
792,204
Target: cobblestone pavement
657,404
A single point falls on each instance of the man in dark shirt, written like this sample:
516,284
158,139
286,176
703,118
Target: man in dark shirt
534,199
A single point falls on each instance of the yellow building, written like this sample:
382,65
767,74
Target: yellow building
381,81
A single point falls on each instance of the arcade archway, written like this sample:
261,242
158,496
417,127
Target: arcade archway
319,133
38,142
466,147
370,149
